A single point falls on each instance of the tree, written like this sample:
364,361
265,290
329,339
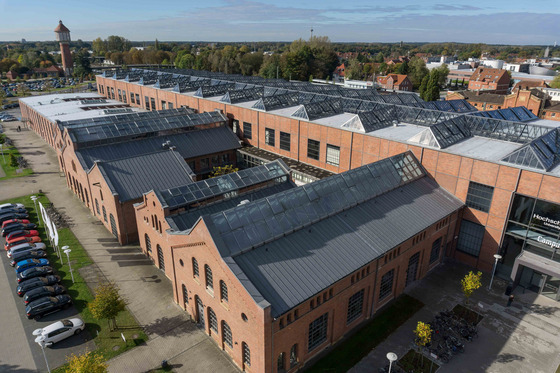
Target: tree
417,71
13,161
431,92
87,362
223,170
379,58
424,86
22,89
555,82
99,47
470,283
354,70
47,85
82,63
423,334
442,71
403,68
107,303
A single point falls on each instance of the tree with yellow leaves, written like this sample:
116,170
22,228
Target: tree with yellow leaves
470,283
423,334
227,169
87,362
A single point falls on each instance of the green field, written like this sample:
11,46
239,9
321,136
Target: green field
5,162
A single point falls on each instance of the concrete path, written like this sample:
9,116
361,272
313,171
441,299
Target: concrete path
522,338
146,288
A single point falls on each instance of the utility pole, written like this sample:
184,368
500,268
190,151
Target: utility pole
311,33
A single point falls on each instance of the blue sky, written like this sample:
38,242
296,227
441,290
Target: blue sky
495,22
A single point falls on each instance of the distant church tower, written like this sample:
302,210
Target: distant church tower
63,37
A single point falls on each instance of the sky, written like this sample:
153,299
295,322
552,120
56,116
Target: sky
475,21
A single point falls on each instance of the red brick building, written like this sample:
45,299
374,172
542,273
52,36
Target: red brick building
63,37
396,82
491,80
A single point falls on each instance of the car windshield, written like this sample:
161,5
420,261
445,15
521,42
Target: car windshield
49,289
53,300
67,323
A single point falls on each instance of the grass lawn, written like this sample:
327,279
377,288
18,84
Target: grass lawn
349,352
105,340
414,362
5,163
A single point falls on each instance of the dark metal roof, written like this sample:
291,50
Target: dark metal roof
515,114
195,193
185,220
243,95
131,177
542,153
189,145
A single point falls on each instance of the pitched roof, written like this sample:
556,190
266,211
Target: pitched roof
350,219
61,28
484,97
131,177
526,84
189,145
484,73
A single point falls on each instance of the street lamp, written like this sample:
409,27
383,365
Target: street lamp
392,357
497,257
64,248
67,252
34,199
41,342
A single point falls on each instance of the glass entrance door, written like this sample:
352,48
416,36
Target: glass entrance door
550,287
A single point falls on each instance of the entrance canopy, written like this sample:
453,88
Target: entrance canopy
537,263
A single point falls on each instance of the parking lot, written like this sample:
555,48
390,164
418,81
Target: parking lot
18,351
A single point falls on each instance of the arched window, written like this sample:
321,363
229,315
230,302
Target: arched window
161,259
226,334
213,320
97,207
280,364
185,296
195,271
104,214
293,356
246,354
148,243
160,230
113,225
223,291
209,278
87,197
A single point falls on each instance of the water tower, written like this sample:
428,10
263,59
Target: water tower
63,37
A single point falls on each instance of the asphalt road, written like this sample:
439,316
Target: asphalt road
18,350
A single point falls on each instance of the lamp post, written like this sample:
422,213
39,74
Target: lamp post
497,257
41,342
34,199
392,357
67,252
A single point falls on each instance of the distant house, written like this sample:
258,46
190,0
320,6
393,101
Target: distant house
12,75
491,80
339,74
481,101
48,72
528,84
396,82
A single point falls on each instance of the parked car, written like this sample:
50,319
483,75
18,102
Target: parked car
43,306
13,210
43,291
58,331
7,223
18,227
22,265
32,254
34,272
6,206
24,247
19,241
36,282
12,216
9,240
22,233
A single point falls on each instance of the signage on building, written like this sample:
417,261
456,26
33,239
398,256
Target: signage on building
546,241
547,221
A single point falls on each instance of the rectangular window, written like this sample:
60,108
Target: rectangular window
285,141
124,98
317,332
120,94
170,105
479,196
470,238
113,93
386,286
147,102
247,130
333,155
204,164
163,105
313,148
153,102
101,89
132,97
355,306
235,126
434,254
137,99
269,136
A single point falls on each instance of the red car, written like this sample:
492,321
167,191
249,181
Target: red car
23,233
21,240
14,221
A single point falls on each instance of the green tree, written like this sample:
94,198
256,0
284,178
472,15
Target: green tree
22,89
470,283
555,82
417,71
107,303
156,45
424,86
379,58
99,47
13,161
223,170
82,65
431,93
354,70
87,362
442,71
403,68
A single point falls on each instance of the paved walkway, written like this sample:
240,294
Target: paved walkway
522,338
148,291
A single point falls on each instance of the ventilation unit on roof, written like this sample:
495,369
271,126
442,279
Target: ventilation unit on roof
117,111
244,202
